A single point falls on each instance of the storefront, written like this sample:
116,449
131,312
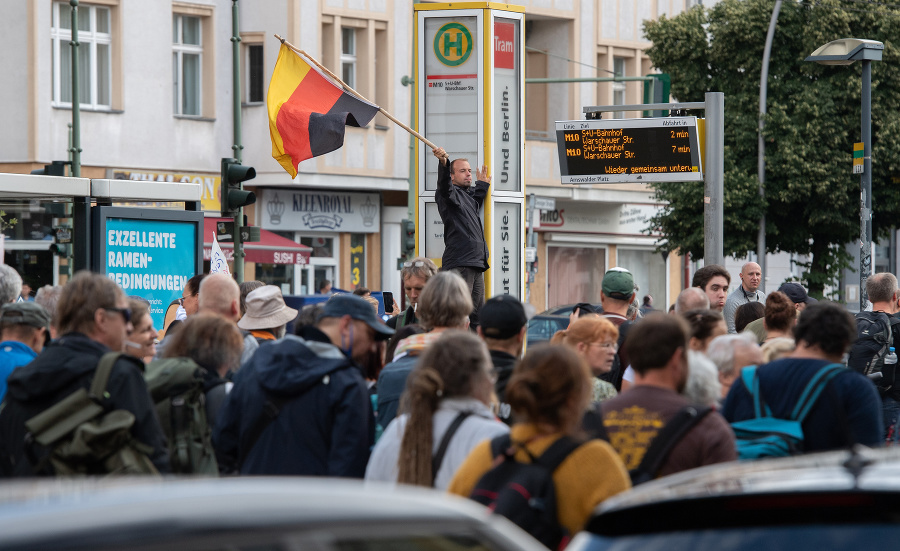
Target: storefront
580,240
340,228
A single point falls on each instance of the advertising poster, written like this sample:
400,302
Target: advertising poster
149,258
506,263
451,90
507,107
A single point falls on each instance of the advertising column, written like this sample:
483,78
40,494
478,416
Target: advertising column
469,86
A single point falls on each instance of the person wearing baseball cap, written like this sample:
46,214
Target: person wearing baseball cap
24,330
503,328
301,405
798,296
617,292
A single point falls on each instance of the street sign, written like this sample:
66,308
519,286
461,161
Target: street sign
530,254
545,203
858,158
629,150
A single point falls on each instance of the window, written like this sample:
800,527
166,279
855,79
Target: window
187,58
94,57
619,87
255,75
348,56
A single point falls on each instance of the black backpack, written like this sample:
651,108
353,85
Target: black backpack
524,492
874,336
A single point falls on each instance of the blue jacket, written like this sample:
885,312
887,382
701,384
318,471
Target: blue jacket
848,411
391,384
13,354
325,425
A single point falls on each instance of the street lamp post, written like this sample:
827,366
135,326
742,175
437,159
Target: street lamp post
844,52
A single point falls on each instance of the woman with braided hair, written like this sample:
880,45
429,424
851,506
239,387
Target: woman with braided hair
445,413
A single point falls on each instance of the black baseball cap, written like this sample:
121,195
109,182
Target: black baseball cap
351,305
502,317
796,293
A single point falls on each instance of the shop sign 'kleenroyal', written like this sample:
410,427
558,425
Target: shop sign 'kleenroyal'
326,211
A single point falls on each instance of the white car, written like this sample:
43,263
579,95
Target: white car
245,514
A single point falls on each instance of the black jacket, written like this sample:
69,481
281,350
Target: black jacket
65,365
464,244
503,368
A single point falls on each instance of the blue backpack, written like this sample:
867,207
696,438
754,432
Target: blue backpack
768,436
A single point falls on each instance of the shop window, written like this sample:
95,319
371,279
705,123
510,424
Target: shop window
575,274
649,271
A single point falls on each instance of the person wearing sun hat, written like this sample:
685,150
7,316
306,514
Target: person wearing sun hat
267,315
300,405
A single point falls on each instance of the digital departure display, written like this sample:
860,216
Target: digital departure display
629,150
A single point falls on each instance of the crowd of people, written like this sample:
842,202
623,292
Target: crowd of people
444,394
422,398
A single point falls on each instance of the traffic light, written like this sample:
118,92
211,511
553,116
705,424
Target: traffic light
408,237
55,168
233,197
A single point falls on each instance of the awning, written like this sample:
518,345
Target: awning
270,249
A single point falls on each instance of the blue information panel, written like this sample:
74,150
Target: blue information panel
149,258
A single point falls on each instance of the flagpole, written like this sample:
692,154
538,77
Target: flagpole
354,92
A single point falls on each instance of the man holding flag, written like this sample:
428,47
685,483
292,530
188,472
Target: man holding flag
458,202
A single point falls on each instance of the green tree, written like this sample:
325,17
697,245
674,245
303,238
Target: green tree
812,198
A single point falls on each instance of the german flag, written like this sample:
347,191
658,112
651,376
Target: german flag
308,112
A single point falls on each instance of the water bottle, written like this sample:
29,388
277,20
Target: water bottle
890,366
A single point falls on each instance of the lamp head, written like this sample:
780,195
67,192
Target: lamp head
847,50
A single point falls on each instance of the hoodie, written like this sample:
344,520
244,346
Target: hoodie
323,427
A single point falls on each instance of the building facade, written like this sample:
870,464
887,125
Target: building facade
156,105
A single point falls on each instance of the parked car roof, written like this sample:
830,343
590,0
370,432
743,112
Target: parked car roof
93,514
836,489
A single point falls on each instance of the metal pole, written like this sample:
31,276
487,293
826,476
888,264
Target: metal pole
714,179
237,147
76,101
81,206
865,241
761,161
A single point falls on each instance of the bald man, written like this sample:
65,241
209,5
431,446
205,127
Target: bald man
748,291
219,293
692,298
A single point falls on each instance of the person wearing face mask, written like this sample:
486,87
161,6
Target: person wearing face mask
141,340
300,405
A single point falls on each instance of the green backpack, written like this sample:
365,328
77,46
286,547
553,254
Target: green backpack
82,438
176,385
